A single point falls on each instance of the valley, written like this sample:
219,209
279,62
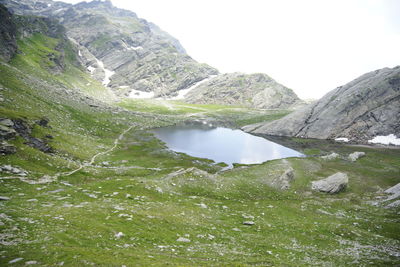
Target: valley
84,181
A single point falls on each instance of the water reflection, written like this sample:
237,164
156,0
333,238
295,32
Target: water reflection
222,144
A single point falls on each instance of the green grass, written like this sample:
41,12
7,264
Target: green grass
142,190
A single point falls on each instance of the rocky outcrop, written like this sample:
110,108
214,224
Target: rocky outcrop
251,90
9,129
360,110
332,184
283,182
8,31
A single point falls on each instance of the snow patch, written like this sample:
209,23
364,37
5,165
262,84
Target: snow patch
79,53
91,69
390,139
182,93
127,47
107,73
140,94
107,76
342,139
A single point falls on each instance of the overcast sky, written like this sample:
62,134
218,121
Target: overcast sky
311,46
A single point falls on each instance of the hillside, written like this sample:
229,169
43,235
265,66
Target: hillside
364,108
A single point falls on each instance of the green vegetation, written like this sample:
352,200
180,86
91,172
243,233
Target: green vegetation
133,203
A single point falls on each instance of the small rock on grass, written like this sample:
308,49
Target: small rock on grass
248,223
331,156
356,155
183,239
15,260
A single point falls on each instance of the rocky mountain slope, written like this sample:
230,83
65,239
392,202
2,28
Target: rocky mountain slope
367,107
123,51
137,59
252,90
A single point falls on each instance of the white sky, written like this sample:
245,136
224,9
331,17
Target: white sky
311,46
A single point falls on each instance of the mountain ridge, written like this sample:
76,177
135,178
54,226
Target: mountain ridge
366,107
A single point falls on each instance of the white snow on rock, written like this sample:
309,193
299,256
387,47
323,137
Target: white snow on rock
91,69
182,93
140,94
107,76
390,139
107,73
342,139
127,47
79,53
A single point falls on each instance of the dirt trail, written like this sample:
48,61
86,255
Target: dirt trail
48,179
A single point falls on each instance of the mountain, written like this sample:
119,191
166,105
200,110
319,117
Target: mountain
122,51
252,90
135,58
364,108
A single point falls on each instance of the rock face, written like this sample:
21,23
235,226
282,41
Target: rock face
124,52
360,110
251,90
333,184
8,31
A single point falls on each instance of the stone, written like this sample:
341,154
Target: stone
248,223
2,198
331,156
15,260
7,149
394,192
356,155
44,122
183,239
119,235
283,182
394,204
332,184
202,205
7,132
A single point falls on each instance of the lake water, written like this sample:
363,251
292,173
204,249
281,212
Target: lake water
222,144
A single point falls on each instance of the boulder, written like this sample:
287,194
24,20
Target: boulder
283,182
332,184
7,149
6,129
356,155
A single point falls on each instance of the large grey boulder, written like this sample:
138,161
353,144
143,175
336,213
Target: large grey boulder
360,110
332,184
253,90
